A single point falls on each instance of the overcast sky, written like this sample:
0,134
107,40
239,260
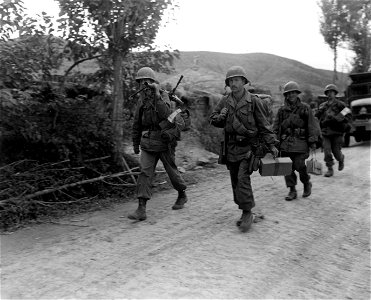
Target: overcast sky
288,28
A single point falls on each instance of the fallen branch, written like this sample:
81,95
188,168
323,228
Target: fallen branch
127,167
51,190
67,202
13,164
96,159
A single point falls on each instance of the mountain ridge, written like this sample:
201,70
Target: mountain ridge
206,70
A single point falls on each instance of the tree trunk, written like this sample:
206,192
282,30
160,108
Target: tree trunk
117,113
118,98
335,77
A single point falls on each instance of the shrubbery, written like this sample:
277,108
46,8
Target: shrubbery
49,140
49,127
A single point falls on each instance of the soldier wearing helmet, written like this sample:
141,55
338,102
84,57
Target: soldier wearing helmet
297,131
243,118
334,120
152,111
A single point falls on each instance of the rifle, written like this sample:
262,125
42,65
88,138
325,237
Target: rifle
172,95
137,92
222,160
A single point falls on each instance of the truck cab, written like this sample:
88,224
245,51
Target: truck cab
358,96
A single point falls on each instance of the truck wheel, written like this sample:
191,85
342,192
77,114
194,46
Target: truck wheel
346,140
366,136
358,138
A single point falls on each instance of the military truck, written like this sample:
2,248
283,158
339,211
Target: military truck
358,98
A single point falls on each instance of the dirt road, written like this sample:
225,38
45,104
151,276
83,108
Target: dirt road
318,247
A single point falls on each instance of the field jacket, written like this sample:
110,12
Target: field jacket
296,127
146,131
332,121
245,124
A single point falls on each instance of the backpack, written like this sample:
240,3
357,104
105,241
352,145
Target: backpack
267,103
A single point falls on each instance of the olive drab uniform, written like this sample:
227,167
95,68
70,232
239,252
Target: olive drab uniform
296,129
334,123
147,132
245,123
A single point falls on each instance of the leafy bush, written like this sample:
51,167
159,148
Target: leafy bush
43,125
47,141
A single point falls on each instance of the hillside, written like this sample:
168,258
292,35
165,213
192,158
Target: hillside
206,70
203,70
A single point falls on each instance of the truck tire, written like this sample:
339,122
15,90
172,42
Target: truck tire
366,136
358,137
346,140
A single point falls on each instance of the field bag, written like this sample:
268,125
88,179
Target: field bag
151,141
278,166
314,166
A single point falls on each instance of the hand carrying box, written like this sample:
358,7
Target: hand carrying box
279,166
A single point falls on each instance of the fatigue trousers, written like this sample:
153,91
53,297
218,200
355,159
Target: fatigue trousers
332,145
298,164
148,162
241,184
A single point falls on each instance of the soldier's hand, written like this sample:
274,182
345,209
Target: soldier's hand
313,146
223,112
136,149
154,86
274,151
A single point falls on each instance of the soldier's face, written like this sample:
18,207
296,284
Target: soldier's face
291,96
331,94
236,84
143,81
142,84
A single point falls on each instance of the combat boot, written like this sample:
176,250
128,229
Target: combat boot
180,201
238,223
247,219
140,213
341,164
330,172
307,189
293,194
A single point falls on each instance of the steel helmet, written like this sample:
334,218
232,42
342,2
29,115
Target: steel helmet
145,73
236,71
290,87
331,87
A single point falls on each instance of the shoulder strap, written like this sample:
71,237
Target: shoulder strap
254,98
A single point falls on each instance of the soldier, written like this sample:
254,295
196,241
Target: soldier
314,107
297,131
241,114
334,118
152,112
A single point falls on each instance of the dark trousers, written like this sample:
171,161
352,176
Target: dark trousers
298,164
241,184
148,162
332,145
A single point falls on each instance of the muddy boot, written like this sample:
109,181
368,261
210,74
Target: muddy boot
247,219
293,194
182,199
307,189
341,164
330,172
140,213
